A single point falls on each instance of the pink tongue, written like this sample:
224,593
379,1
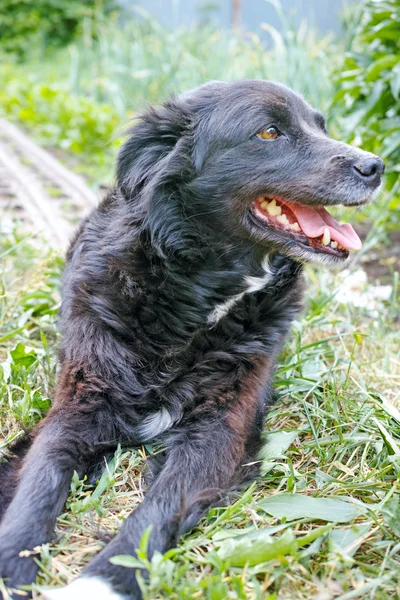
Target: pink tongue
313,221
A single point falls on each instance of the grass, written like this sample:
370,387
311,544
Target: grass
129,61
146,60
334,433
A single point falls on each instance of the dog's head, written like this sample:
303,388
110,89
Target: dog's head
253,161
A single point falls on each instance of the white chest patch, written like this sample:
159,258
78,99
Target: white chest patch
254,284
155,424
222,309
83,588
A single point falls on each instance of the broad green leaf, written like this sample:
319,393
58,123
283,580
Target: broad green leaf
247,550
39,402
124,560
386,62
278,443
298,506
347,541
21,356
391,514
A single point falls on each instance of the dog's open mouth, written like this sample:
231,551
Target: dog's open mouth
307,225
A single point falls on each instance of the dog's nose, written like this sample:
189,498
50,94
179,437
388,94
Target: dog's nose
369,169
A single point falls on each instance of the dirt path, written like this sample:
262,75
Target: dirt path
38,191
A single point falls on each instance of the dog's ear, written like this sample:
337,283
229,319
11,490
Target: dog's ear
152,140
153,164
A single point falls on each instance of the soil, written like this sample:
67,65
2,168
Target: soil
381,262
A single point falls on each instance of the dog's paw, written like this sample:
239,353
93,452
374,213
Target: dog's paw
83,588
16,568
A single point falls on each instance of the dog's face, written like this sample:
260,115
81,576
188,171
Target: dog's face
264,156
262,169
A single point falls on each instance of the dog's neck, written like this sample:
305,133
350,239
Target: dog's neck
273,267
215,285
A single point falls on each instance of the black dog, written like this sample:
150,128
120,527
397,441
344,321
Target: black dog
178,293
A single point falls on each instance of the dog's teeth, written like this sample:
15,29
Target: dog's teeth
272,209
283,220
334,244
295,226
326,238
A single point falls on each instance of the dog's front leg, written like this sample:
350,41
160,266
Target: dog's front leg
62,443
204,458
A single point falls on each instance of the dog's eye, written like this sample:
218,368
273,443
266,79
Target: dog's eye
271,133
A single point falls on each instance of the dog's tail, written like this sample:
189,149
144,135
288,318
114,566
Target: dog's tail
10,466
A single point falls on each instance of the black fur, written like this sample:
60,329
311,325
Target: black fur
9,468
144,273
